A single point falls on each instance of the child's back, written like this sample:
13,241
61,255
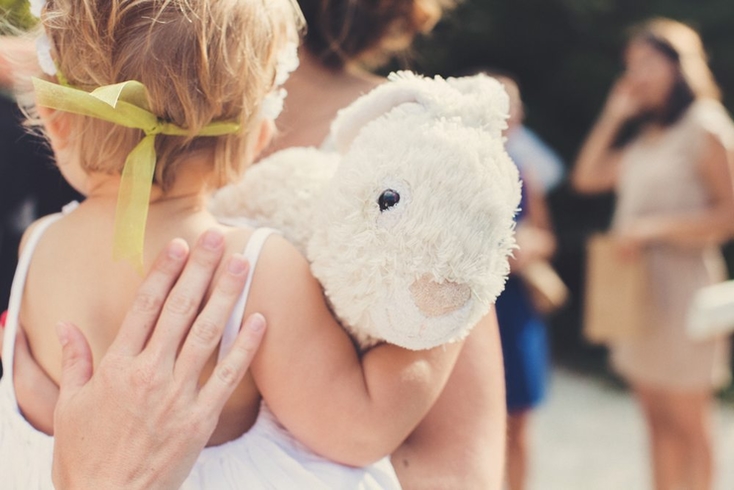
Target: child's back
207,67
66,281
203,71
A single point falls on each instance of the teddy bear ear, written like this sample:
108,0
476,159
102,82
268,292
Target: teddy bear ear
381,100
484,102
478,101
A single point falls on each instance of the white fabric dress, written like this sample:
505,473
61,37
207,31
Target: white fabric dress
266,457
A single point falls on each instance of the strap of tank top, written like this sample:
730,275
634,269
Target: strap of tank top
252,254
16,292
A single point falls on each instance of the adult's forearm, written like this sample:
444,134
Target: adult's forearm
460,444
712,227
594,170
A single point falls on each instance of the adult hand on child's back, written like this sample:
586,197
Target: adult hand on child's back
141,420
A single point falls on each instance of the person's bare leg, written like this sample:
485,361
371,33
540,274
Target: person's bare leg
517,449
667,455
692,415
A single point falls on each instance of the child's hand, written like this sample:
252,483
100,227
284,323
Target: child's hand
141,420
35,391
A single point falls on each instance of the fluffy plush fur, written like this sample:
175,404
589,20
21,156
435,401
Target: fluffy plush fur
423,271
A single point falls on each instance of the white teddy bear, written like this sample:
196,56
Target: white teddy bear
408,225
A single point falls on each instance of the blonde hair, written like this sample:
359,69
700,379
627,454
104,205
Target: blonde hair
685,44
201,61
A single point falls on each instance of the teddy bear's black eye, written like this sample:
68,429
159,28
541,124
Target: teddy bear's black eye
388,199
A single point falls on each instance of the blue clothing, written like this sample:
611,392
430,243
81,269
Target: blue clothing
533,156
524,347
524,342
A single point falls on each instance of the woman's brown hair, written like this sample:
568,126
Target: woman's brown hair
682,46
366,31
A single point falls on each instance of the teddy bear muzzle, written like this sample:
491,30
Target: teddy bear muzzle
435,299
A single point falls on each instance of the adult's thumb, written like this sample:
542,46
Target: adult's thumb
76,359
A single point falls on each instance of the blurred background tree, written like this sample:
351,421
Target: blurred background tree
566,54
15,14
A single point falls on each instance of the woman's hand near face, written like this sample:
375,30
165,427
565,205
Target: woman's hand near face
621,104
597,166
141,420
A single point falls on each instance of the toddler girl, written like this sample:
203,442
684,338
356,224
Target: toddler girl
152,105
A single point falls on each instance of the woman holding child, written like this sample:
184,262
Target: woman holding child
664,143
445,421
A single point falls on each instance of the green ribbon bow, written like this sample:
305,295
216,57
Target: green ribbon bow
125,104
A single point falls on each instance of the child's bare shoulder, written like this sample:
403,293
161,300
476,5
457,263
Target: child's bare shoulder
278,258
283,287
277,255
28,233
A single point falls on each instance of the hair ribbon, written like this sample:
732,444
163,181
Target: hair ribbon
125,104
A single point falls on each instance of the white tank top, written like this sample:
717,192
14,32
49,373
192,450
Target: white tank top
266,457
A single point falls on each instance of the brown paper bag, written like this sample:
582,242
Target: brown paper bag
617,293
547,290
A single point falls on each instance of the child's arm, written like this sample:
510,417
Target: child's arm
351,410
35,391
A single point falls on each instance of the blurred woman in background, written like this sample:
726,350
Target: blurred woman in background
664,142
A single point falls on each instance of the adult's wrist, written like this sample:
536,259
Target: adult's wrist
611,120
112,477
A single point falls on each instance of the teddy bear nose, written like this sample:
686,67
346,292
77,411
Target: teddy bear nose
436,299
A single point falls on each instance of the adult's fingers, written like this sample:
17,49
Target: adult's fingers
76,359
183,302
230,370
206,332
144,312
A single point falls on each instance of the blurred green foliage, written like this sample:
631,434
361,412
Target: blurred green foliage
15,14
566,54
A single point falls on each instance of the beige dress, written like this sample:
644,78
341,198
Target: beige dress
661,177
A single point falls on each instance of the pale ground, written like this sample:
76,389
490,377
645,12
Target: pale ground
588,436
